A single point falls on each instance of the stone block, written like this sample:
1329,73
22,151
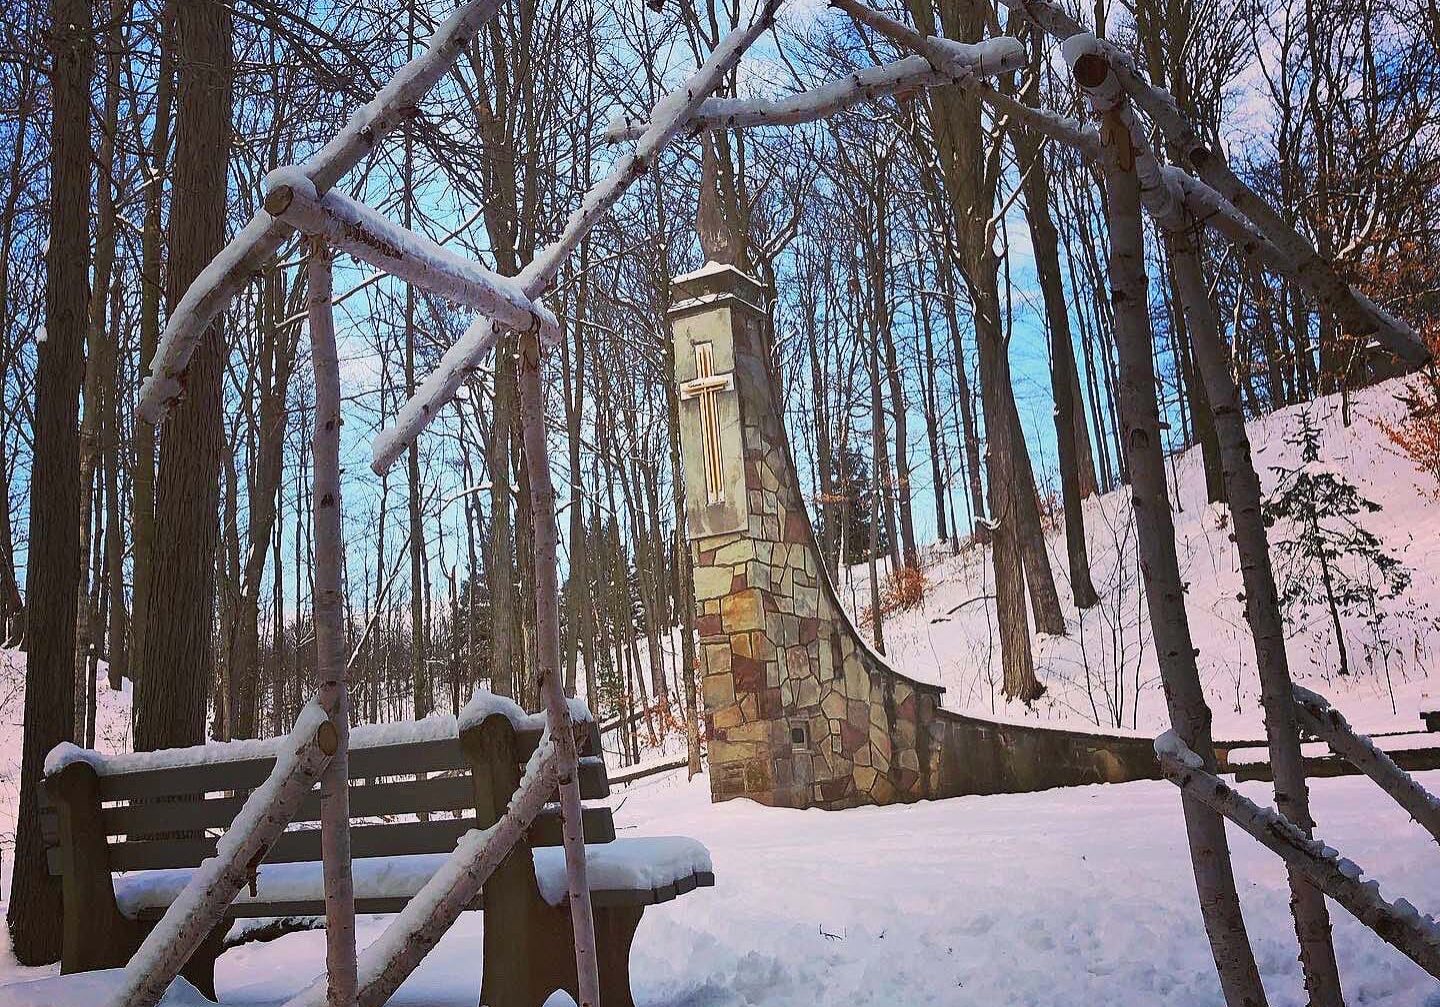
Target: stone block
754,730
864,778
717,658
718,691
834,705
737,552
757,574
748,673
807,692
726,717
909,760
712,581
857,682
741,612
797,662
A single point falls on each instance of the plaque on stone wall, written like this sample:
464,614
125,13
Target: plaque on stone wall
711,439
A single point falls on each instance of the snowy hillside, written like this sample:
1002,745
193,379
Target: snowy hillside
112,736
1104,672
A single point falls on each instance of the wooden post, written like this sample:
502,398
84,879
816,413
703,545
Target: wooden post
96,934
330,662
544,537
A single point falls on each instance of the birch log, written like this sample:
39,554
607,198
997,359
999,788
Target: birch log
415,931
960,62
1357,312
201,904
1397,923
367,235
1262,611
544,535
670,115
1327,723
1160,570
330,664
262,236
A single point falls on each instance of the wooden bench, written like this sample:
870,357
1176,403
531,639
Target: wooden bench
125,833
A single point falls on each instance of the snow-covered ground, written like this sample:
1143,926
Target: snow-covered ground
1075,897
1104,672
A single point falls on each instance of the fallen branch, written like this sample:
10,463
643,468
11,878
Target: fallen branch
353,227
261,238
1357,312
1319,718
1398,923
960,63
415,931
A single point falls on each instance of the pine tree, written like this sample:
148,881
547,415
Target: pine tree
1323,553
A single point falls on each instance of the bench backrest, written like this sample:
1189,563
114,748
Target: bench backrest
168,817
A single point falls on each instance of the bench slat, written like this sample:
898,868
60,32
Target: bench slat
402,759
261,910
397,839
374,800
439,793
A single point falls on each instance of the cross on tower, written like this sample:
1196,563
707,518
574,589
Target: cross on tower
705,387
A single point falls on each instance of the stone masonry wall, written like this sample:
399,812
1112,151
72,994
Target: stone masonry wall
799,712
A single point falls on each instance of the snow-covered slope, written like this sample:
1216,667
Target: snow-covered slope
1104,671
112,736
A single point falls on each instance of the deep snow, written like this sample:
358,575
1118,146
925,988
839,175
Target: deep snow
1104,671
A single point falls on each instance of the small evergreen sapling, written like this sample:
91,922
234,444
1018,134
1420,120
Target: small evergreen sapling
1322,553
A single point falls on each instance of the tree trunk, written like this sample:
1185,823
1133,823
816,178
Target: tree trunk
1160,569
1070,428
54,556
1262,611
171,699
152,241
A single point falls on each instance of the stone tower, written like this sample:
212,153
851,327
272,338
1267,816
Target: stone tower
798,711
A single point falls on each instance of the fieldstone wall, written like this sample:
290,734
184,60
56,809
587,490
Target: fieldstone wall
799,712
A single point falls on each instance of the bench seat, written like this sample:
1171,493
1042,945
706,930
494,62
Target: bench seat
638,871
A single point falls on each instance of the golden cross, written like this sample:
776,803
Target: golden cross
705,387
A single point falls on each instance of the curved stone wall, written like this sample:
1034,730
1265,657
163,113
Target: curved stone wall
799,711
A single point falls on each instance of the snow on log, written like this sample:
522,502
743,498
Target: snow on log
671,114
213,886
1160,192
1358,313
412,934
415,258
1318,717
1398,923
960,62
261,238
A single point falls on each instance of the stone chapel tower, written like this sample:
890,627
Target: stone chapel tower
798,711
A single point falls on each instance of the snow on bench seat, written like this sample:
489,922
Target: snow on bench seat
633,871
83,989
665,866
